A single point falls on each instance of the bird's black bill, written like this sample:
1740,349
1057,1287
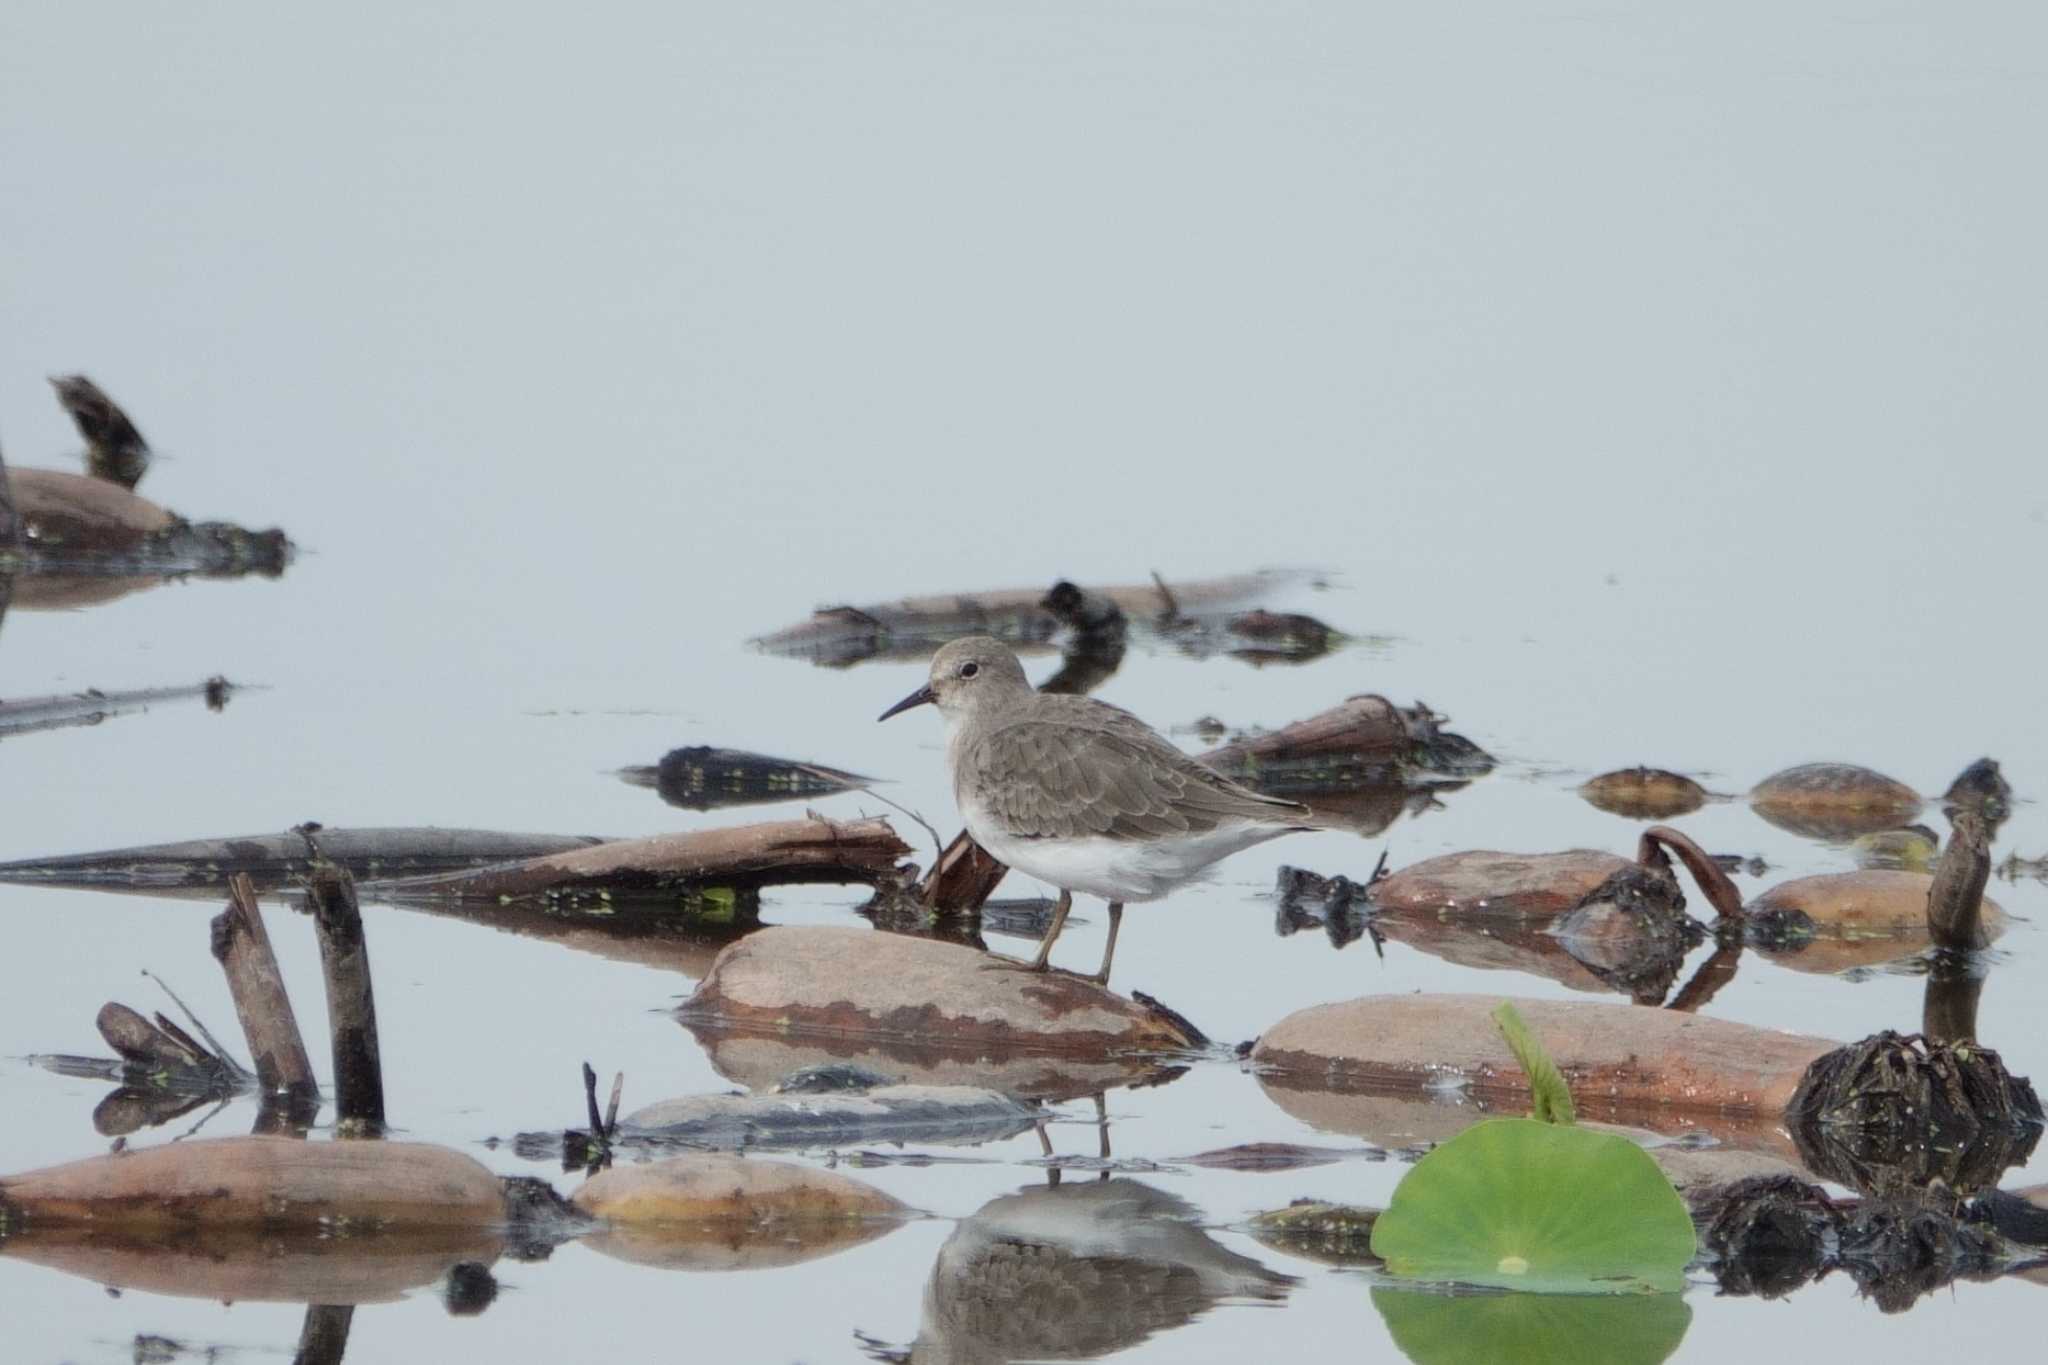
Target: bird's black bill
920,697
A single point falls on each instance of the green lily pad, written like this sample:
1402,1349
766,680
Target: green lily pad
1518,1204
1434,1328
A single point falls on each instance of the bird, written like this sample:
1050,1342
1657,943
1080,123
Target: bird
1083,795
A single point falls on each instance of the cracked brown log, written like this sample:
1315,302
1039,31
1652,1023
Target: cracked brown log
351,1004
284,1073
1955,898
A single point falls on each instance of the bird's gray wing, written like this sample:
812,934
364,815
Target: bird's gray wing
1052,779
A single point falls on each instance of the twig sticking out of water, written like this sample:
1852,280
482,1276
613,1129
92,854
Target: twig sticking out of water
284,1073
351,1003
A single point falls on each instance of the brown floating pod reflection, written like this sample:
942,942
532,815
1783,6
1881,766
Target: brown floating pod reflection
716,1212
888,989
250,1263
1624,1064
1645,793
1833,801
273,1183
758,1057
1074,1271
86,540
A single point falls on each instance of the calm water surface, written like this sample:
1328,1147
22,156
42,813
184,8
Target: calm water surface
1663,386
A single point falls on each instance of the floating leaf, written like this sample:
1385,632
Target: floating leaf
1549,1096
1518,1204
1434,1328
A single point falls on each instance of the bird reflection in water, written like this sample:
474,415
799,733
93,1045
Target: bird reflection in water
1076,1271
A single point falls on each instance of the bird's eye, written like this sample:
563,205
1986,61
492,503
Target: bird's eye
969,670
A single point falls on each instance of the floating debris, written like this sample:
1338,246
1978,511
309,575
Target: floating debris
1981,789
1645,793
857,983
200,868
114,449
756,1058
1844,919
1770,1236
1364,741
254,1264
162,1072
1897,1113
27,715
715,1212
913,627
1256,637
273,1183
1276,1156
1632,932
1911,848
1334,1234
1833,801
704,778
729,860
1537,885
812,1121
86,540
1619,1059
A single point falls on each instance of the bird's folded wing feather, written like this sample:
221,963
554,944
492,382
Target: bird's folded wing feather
1051,780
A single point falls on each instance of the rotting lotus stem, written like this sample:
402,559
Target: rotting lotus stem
1713,882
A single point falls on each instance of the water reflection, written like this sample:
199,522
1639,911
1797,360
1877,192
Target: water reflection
1075,1271
912,628
1436,1328
704,778
758,1059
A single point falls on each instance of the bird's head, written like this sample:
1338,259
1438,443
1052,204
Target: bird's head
967,676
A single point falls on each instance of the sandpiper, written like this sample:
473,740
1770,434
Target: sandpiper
1080,794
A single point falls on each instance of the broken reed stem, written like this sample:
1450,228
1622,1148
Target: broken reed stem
611,1109
283,1071
351,1004
590,1103
964,877
323,1339
1955,900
